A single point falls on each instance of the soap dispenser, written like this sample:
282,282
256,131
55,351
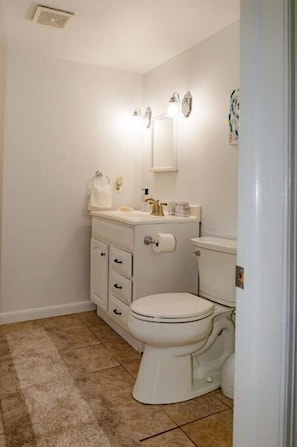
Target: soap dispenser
145,206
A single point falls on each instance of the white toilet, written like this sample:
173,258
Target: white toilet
187,337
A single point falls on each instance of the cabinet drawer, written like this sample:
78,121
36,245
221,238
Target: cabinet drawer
118,310
121,287
112,232
121,261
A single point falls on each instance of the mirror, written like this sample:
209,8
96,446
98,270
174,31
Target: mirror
163,144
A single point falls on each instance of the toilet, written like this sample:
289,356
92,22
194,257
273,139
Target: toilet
186,337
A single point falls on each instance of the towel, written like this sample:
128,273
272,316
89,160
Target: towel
100,198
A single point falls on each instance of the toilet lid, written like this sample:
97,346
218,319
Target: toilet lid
171,307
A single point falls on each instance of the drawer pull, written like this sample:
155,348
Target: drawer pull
117,312
118,261
117,286
102,253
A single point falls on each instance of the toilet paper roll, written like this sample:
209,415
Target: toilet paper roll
165,243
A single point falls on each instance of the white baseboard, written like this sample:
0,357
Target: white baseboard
45,312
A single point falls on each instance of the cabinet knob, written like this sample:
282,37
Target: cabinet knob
118,261
117,286
117,312
102,253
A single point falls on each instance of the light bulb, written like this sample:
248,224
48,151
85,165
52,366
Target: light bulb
173,109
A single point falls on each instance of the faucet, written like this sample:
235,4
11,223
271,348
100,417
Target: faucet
157,207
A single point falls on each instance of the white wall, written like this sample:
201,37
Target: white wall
63,121
207,164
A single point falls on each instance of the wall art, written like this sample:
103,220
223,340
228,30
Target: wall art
234,117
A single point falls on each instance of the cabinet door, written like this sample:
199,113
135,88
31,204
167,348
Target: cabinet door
99,273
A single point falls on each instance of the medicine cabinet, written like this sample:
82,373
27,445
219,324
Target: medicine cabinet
163,143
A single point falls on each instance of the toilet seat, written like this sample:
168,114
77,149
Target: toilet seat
171,308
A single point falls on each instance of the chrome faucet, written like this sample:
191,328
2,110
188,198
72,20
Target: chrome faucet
157,206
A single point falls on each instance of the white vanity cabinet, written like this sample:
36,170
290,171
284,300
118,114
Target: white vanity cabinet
124,268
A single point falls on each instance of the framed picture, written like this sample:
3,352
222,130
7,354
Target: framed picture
233,119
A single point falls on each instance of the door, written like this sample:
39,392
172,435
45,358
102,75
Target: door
99,273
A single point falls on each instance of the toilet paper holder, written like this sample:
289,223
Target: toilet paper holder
148,240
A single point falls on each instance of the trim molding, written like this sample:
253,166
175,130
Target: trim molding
45,312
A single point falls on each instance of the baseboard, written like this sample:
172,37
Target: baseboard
45,312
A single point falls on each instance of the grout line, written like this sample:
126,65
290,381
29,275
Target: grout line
186,434
158,434
88,346
168,431
182,425
205,417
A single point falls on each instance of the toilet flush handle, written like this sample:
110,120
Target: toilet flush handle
197,253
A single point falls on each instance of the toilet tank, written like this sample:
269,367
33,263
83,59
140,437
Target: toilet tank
216,258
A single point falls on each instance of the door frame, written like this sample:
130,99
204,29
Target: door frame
265,365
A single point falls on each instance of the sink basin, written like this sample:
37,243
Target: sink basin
138,217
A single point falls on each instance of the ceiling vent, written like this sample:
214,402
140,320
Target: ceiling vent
51,17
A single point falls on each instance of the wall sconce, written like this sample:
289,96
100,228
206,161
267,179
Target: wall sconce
147,115
175,105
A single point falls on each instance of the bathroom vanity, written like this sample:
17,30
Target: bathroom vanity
124,268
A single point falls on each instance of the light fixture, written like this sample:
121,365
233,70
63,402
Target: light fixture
175,105
137,113
147,115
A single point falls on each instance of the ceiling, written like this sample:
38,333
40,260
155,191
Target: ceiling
129,35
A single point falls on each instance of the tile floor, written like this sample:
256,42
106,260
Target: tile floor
104,368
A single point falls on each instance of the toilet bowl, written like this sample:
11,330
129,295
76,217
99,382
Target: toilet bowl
186,337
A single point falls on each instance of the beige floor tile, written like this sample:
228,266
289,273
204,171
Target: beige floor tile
90,318
96,358
18,327
132,365
65,321
122,351
173,438
114,383
104,333
104,368
98,326
72,337
139,421
74,364
213,431
219,395
191,410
